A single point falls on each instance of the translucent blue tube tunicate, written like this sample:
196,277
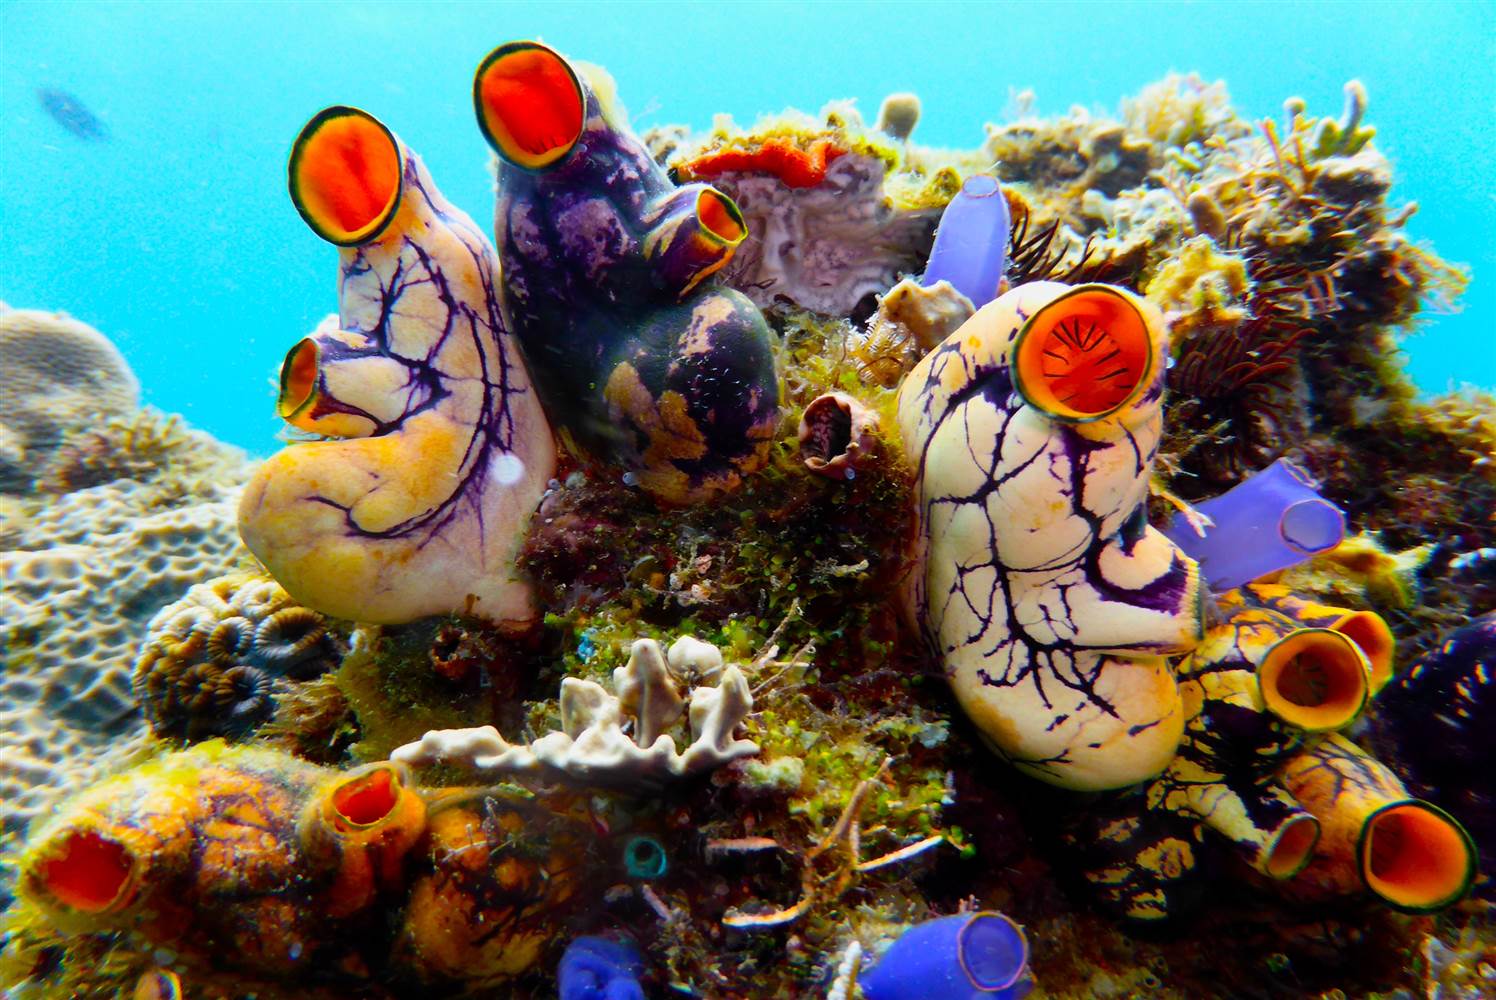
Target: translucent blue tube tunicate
971,245
1269,522
595,968
968,956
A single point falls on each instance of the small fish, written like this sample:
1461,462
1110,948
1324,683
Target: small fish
158,984
71,114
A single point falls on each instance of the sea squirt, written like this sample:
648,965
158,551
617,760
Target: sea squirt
966,956
1271,521
1037,580
595,968
440,450
641,359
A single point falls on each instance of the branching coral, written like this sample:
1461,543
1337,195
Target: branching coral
593,750
149,447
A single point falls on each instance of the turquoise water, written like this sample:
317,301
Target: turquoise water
176,237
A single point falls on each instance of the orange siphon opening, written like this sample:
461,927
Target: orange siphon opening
529,104
1369,631
1293,847
719,215
1314,679
345,175
89,874
368,798
1083,355
298,378
1416,857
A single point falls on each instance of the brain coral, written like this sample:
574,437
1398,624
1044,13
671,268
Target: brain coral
212,659
56,375
87,572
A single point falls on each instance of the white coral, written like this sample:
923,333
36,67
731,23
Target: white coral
592,749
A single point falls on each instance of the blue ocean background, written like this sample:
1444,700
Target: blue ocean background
176,237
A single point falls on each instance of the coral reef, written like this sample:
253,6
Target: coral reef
640,357
846,830
440,449
60,376
89,571
211,661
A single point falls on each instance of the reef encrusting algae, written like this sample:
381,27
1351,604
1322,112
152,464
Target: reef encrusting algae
823,792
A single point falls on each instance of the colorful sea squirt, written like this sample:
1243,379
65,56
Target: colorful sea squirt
595,968
439,450
641,359
1410,854
1271,521
1037,580
971,245
967,956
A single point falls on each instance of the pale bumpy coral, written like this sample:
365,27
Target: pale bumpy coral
213,659
57,375
592,749
88,573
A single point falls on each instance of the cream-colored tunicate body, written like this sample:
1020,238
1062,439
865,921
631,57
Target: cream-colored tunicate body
1032,430
440,450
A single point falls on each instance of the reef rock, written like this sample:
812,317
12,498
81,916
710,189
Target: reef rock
57,375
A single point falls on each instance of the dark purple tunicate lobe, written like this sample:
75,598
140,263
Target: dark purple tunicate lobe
971,245
585,296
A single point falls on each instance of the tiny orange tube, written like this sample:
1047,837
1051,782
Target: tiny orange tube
298,379
720,217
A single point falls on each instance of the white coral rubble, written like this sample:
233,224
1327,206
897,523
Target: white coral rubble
592,749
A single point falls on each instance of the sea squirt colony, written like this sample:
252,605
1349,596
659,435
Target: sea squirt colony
655,409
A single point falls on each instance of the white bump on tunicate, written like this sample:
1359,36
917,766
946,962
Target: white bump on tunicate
507,469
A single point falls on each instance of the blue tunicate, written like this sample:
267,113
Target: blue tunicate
595,968
971,245
968,956
1269,522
